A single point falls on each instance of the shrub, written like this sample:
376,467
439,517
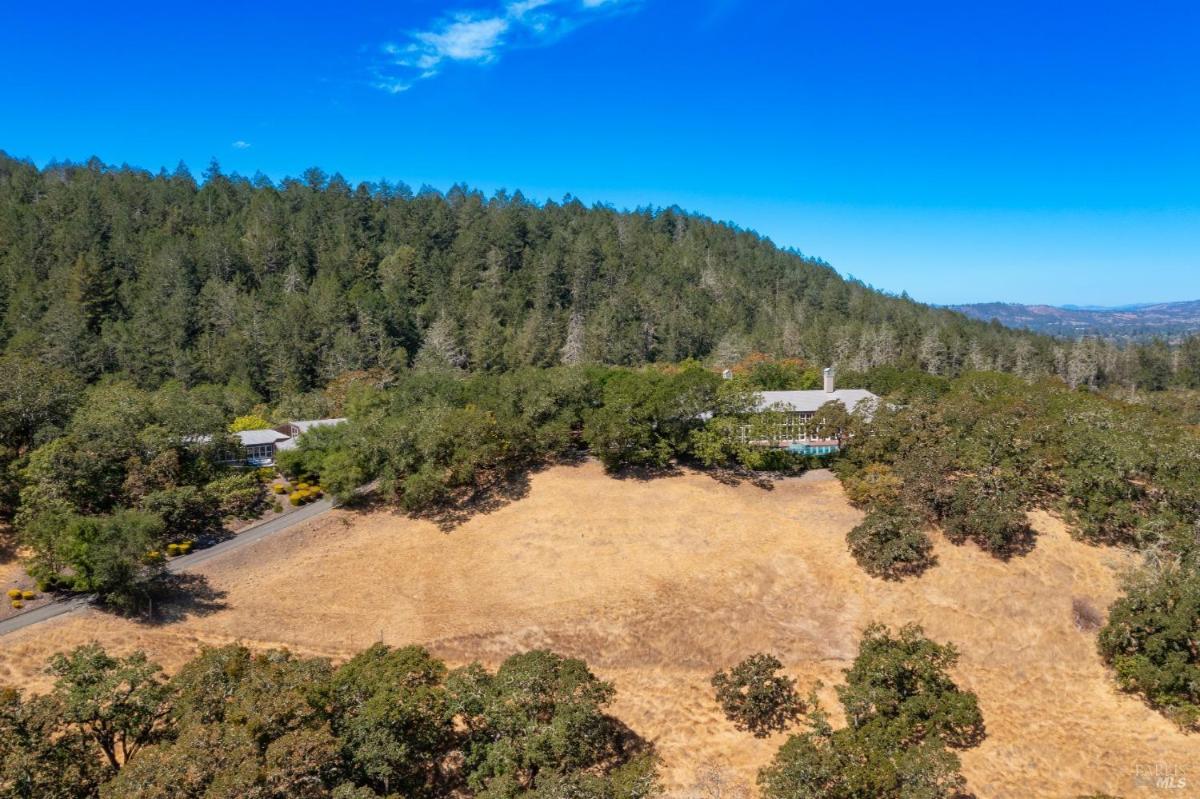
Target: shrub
17,604
172,549
28,595
302,486
14,593
992,519
281,488
757,699
875,485
890,543
1150,641
52,582
276,507
185,510
904,715
107,556
266,474
296,498
239,494
249,422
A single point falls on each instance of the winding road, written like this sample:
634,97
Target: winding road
247,537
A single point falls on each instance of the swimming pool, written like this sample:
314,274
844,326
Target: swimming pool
813,449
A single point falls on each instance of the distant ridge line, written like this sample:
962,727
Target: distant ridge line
1140,321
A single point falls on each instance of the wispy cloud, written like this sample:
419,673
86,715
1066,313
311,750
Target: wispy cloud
240,145
480,36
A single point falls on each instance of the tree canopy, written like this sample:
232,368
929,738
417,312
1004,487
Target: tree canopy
232,724
904,718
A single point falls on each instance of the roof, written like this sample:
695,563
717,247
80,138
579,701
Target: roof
251,437
303,426
307,424
809,401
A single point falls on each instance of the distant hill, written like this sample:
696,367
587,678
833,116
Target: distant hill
1170,320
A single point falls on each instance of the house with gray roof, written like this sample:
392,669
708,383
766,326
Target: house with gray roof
796,410
259,447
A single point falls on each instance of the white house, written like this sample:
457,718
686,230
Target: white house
798,407
259,447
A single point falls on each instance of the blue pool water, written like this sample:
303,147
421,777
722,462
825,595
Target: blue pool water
813,449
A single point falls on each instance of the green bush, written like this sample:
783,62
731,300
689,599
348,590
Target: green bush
107,555
756,698
875,485
1150,641
240,494
890,543
14,593
989,516
17,604
52,582
249,422
185,510
28,595
904,716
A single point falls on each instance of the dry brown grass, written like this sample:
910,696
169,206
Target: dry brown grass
659,583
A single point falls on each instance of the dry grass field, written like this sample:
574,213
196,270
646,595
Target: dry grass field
657,584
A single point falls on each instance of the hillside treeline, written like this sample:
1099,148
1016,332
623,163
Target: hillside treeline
281,288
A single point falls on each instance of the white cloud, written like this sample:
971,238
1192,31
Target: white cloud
520,8
240,145
465,39
481,36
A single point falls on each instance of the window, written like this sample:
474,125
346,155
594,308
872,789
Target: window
260,451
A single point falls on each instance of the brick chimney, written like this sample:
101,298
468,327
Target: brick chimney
828,373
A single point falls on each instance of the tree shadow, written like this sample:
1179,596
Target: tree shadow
1019,545
645,473
179,597
499,490
8,544
214,535
365,503
1015,542
736,476
626,742
907,570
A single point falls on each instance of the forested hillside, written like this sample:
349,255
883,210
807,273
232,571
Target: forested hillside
282,288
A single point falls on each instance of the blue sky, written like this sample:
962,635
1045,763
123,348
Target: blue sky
962,151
